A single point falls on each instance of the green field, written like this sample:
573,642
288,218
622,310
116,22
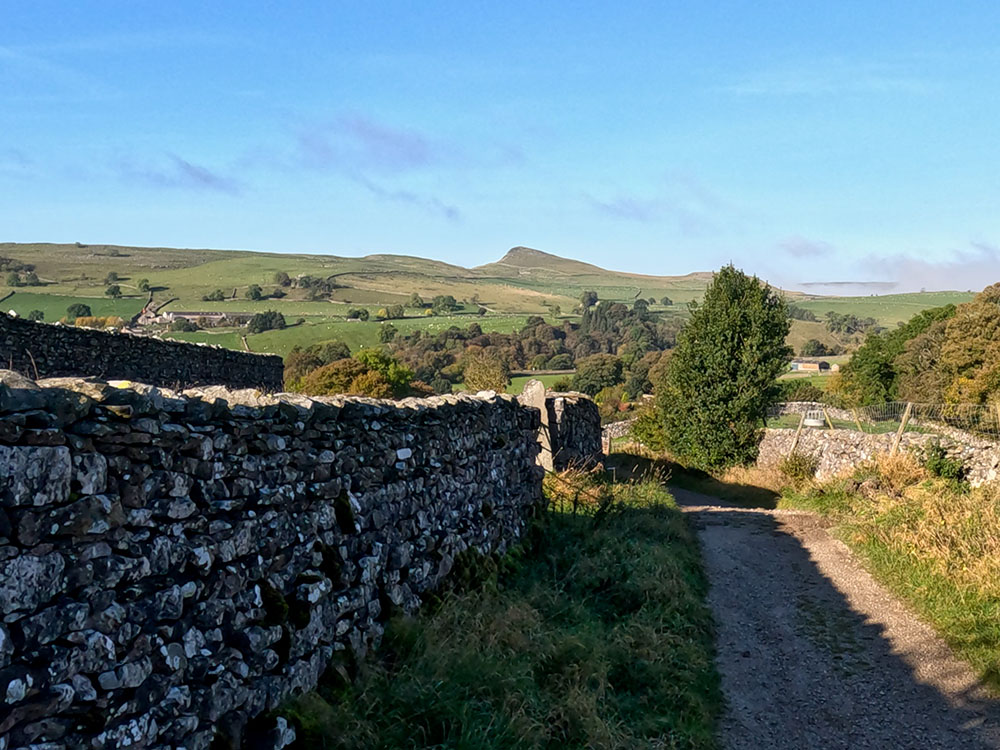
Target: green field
356,334
887,309
820,381
517,384
54,306
524,282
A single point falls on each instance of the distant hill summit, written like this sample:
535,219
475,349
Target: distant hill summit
526,261
530,259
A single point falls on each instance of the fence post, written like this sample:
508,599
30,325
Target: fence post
902,428
795,441
857,421
829,422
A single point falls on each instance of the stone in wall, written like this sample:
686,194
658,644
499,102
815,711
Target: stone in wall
47,350
174,564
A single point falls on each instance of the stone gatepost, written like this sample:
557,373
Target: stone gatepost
533,395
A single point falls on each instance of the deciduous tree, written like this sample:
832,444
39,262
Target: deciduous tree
596,373
723,373
486,371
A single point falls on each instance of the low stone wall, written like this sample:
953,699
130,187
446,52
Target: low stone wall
48,350
801,407
172,565
570,434
615,430
839,451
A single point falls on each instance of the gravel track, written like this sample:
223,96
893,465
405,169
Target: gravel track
814,653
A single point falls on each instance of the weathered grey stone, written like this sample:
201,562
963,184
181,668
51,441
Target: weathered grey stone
35,476
28,581
6,646
90,473
53,622
840,451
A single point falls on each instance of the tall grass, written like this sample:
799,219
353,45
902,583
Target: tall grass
598,637
932,540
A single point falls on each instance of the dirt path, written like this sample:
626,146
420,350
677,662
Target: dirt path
815,654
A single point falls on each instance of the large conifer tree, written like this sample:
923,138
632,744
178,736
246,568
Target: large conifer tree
723,374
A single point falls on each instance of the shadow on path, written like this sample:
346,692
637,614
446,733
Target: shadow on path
814,653
627,466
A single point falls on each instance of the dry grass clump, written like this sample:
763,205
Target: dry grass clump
756,476
575,490
799,468
955,532
885,475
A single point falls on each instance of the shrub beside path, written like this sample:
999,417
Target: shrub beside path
814,653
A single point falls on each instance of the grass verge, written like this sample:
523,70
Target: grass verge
596,637
934,542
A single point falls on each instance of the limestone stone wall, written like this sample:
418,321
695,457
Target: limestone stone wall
620,429
839,451
801,407
174,564
47,350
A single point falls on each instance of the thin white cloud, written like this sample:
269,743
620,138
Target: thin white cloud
143,41
15,163
29,77
368,152
353,142
970,269
428,203
174,172
680,199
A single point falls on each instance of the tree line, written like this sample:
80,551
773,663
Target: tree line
948,354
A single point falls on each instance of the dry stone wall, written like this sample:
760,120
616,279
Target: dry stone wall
48,350
839,451
615,430
174,564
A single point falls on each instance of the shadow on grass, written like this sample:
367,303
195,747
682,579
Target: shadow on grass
630,466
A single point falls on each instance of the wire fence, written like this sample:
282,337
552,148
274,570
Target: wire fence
965,422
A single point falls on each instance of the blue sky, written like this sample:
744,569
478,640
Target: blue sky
804,141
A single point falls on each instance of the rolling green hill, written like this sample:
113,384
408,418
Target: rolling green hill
523,282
